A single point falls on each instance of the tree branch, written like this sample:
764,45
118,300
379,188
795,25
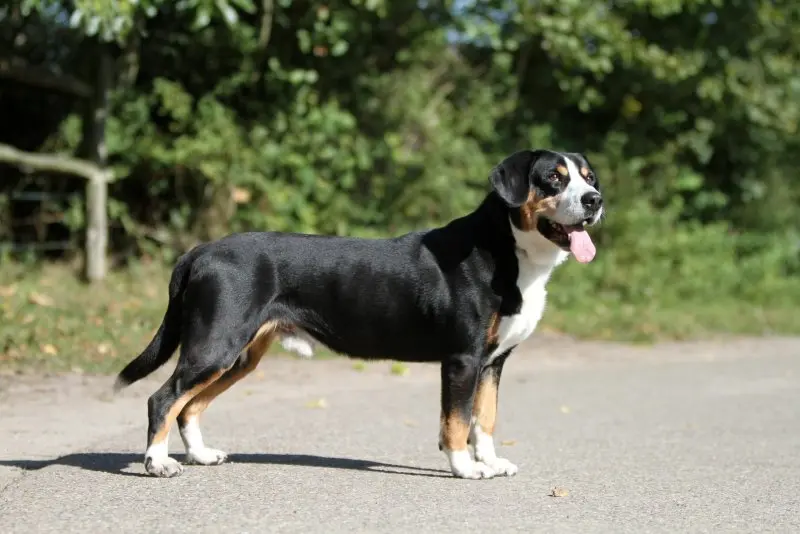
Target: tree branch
267,7
53,163
44,79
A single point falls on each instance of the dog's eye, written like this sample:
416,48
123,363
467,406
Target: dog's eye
555,176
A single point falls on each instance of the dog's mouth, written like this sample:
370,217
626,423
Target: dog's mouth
571,238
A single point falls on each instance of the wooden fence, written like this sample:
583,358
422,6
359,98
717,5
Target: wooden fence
92,164
96,198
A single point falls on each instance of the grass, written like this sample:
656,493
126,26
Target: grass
50,321
650,321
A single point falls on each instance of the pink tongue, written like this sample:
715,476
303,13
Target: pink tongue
581,245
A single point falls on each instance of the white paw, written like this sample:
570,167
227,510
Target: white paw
463,466
501,466
164,467
485,452
205,456
474,471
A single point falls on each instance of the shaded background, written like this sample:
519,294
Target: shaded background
376,117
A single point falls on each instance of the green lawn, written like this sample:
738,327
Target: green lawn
51,321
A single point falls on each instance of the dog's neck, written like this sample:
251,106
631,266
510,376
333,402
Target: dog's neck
536,250
494,228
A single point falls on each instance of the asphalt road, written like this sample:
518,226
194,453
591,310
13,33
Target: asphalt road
700,437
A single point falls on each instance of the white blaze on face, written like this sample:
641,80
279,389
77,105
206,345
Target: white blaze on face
571,213
570,210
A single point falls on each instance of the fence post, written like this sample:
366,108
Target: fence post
96,228
94,149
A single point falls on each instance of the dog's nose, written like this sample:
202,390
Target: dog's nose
592,201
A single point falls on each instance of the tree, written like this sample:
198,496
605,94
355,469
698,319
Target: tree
369,117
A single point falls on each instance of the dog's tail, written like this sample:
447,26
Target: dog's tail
167,338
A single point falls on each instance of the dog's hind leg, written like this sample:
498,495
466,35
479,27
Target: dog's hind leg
163,407
189,417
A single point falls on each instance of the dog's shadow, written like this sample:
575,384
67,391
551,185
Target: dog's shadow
120,463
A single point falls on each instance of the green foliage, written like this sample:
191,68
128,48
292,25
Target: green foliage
369,117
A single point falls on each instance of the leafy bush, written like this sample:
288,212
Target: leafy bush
374,118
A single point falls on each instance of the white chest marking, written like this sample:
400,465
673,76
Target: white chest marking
537,257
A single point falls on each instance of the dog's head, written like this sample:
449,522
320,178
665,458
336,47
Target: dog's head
554,193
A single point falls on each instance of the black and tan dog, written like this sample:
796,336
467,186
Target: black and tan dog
464,295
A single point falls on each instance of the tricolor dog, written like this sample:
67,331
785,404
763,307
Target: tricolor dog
463,295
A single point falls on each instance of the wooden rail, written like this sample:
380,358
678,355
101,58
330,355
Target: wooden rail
96,197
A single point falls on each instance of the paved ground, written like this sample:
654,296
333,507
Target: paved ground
676,438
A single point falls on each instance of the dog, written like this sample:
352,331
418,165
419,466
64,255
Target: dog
462,295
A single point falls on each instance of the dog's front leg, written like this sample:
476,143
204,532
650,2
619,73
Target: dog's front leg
484,416
459,382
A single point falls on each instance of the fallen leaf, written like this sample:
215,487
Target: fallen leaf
40,299
558,492
399,369
565,409
240,195
49,349
103,348
409,422
319,403
7,291
508,442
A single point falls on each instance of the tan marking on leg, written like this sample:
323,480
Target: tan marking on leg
455,431
267,329
492,331
484,409
178,406
255,351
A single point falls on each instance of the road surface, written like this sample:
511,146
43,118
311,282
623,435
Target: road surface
699,437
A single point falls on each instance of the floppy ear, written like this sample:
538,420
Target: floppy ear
511,178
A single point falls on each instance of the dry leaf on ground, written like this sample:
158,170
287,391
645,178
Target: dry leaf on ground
508,442
49,349
7,291
240,195
399,369
40,299
319,403
558,492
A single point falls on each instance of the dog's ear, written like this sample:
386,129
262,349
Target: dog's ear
511,178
